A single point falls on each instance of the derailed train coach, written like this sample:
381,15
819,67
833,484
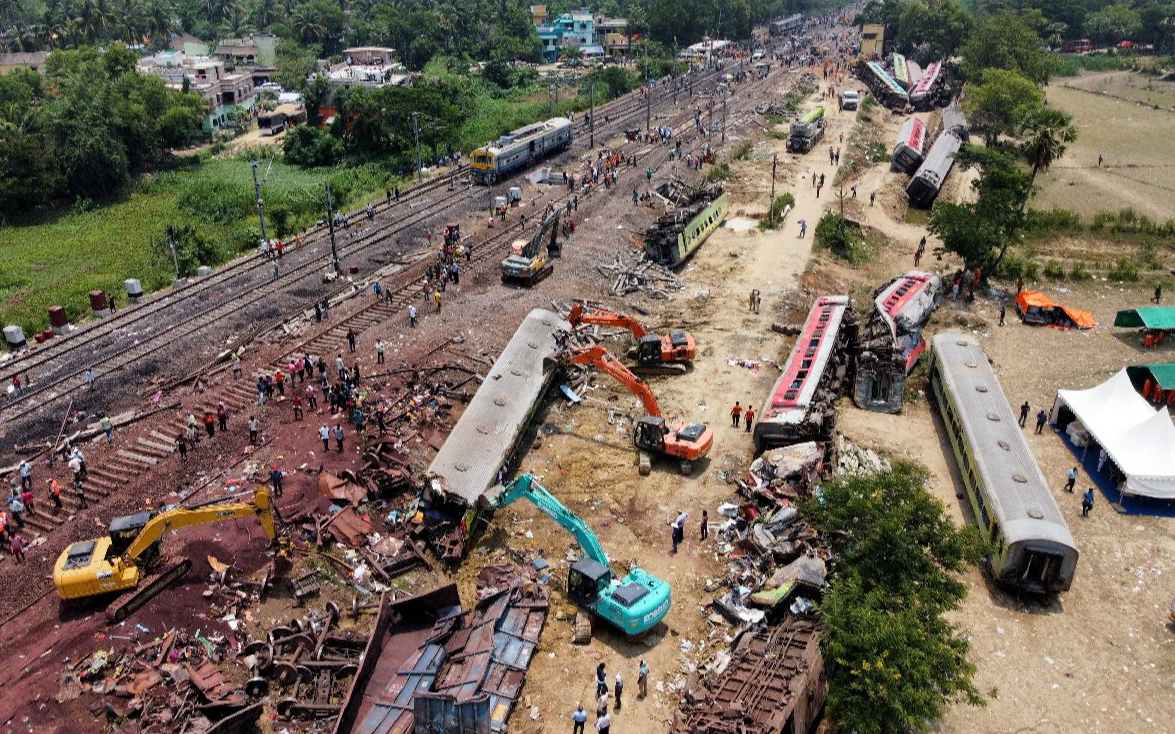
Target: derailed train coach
884,87
910,147
927,182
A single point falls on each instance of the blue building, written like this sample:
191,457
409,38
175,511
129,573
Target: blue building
577,28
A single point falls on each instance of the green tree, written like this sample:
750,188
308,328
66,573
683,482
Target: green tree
310,147
1114,23
982,231
932,29
898,661
1000,103
1046,132
1007,40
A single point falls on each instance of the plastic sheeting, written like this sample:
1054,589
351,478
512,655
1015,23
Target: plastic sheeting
1138,439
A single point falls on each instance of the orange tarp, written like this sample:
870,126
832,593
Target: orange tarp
1051,310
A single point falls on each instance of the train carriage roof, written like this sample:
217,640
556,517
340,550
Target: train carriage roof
1018,494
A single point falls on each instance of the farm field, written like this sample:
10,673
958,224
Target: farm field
1135,141
59,257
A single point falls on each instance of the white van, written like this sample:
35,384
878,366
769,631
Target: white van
849,99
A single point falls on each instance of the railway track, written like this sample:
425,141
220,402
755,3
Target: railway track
205,303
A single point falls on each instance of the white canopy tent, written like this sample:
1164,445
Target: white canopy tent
1139,439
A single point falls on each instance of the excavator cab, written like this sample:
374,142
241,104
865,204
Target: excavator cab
586,581
650,434
648,350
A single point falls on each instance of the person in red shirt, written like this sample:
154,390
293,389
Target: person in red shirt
749,418
210,423
735,413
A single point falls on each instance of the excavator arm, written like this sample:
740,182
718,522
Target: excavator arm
526,486
601,317
549,224
598,357
208,512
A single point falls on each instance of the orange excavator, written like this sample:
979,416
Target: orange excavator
664,354
652,436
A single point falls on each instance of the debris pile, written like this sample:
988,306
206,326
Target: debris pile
171,684
855,461
640,275
783,474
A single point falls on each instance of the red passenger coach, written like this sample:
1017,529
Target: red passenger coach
800,406
906,305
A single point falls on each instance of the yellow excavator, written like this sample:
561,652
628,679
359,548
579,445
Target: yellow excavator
125,558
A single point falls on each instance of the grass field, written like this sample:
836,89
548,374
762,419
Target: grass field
1135,141
59,257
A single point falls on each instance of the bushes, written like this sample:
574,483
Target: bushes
309,147
1014,267
1042,221
776,215
840,238
718,173
1123,270
1054,270
743,151
1079,272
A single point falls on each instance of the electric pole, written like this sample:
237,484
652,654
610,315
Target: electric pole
724,95
592,112
260,204
771,206
330,220
416,139
171,244
648,96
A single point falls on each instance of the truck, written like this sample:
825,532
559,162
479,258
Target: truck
806,131
849,99
634,604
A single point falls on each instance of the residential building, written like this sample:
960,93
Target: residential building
616,44
577,28
872,40
367,66
552,41
538,15
605,26
227,92
255,54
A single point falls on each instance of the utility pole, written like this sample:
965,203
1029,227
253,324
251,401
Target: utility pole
648,96
330,220
771,206
841,196
171,244
260,204
724,95
416,139
592,112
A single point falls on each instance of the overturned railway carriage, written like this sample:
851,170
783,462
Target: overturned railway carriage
900,74
884,87
800,407
679,232
891,340
1032,548
954,121
928,180
910,147
785,26
489,434
519,148
929,90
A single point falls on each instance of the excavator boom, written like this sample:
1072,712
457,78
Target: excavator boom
598,316
654,353
601,359
525,486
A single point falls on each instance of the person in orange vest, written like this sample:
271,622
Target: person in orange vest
55,492
749,418
736,413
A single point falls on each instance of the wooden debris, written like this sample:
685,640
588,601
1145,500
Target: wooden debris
640,276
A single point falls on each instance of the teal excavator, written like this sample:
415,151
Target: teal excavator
634,604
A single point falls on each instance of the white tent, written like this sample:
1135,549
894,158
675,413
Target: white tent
1138,439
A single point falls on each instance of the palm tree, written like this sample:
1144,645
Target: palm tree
236,22
306,25
266,14
1046,134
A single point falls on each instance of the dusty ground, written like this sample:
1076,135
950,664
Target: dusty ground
1099,658
1133,137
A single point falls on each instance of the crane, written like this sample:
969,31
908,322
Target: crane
634,604
528,263
124,559
687,442
655,354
